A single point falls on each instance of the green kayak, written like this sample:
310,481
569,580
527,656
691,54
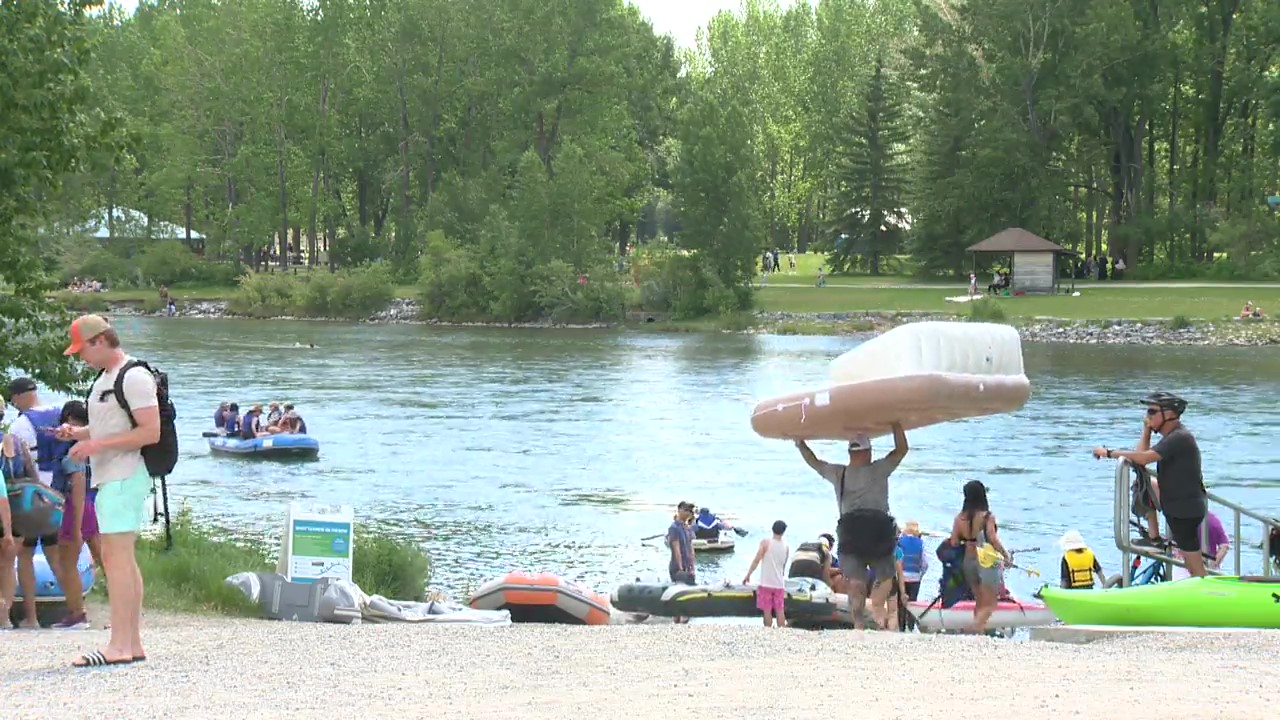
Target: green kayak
1215,601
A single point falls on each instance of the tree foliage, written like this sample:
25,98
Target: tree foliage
51,129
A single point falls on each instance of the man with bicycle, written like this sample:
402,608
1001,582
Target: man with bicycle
1182,496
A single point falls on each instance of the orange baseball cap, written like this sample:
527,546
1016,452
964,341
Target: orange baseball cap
84,329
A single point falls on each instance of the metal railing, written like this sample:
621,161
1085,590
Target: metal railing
1121,525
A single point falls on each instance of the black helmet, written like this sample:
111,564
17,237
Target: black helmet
1166,401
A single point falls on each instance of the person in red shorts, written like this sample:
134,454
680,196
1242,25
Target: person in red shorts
771,558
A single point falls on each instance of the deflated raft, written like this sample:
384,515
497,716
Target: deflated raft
919,374
809,603
542,598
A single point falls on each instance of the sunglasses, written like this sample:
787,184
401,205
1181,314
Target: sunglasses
1153,411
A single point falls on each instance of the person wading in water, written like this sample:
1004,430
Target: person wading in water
868,533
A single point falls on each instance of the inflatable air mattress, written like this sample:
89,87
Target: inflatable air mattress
919,374
276,447
542,598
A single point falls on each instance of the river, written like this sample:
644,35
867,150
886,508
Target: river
559,450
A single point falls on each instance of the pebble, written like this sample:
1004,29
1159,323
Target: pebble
1156,331
220,667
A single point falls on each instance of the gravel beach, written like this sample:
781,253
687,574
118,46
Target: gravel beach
214,667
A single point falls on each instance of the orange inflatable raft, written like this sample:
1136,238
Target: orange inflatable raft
542,598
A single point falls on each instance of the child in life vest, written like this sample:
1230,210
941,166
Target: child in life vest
1079,564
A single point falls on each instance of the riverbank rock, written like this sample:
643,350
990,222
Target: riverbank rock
856,323
401,310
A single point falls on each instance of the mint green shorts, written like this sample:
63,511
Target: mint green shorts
121,504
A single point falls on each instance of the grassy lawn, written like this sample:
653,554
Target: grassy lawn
1094,303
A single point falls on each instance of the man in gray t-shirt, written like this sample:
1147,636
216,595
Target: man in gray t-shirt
863,485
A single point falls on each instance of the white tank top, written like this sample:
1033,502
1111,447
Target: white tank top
773,566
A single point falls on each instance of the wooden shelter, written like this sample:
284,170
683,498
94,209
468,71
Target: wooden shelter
1033,264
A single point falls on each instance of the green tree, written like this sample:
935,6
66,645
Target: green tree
51,129
868,210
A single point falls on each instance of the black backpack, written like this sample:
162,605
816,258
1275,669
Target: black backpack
162,456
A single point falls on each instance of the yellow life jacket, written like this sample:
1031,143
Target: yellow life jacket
1079,567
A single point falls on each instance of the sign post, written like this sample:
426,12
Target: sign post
318,543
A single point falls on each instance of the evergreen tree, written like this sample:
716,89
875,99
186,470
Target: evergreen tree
867,207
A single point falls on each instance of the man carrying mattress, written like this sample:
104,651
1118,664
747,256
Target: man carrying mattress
867,532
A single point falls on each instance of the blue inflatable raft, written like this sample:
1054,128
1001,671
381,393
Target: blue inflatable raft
47,589
275,447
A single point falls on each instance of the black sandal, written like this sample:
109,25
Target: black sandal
97,659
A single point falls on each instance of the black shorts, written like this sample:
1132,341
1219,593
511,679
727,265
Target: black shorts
47,541
1185,532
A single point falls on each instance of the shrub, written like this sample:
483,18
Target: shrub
351,294
104,266
504,283
165,262
451,283
189,576
84,302
388,566
563,295
1180,322
362,291
987,310
680,283
216,274
264,295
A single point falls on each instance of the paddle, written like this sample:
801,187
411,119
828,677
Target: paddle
988,556
652,537
740,532
210,433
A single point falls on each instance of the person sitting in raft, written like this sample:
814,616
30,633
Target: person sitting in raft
274,413
250,424
1079,564
812,560
301,425
868,533
220,416
231,422
707,526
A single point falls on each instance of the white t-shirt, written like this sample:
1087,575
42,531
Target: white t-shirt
773,566
26,432
108,419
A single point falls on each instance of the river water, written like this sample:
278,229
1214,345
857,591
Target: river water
559,450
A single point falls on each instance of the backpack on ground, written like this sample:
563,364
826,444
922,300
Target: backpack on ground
161,456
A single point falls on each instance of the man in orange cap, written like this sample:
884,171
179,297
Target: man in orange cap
119,474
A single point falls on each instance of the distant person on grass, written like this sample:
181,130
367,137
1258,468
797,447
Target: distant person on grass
771,558
114,446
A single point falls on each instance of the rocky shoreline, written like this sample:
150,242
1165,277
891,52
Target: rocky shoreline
1153,331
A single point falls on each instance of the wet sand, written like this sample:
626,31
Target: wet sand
215,667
